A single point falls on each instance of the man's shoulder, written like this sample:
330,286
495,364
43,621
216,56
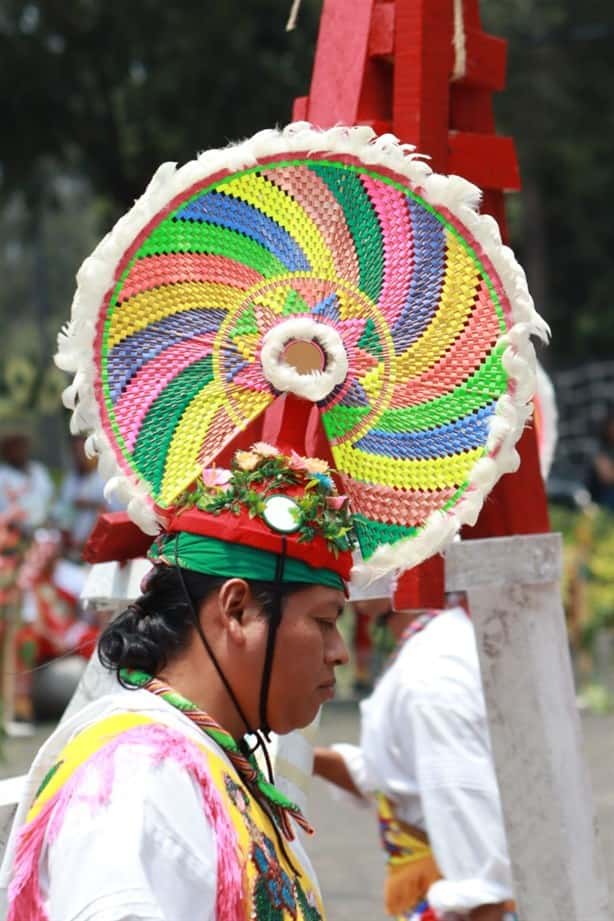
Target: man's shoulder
156,768
450,633
441,656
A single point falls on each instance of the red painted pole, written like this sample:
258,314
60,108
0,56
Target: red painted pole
390,63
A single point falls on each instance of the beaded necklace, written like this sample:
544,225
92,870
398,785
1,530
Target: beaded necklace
246,766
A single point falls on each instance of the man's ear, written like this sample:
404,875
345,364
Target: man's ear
233,597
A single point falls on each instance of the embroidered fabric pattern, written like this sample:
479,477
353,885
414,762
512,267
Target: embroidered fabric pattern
421,912
276,895
246,767
424,912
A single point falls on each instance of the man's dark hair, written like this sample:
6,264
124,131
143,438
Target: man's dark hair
159,624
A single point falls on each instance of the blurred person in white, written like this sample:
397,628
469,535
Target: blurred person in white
81,498
24,483
424,761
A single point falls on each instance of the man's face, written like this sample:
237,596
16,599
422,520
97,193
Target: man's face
308,649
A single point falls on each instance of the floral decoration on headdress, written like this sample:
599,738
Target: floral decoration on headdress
263,473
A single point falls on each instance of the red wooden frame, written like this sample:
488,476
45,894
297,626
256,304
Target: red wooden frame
390,63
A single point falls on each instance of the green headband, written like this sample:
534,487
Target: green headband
213,557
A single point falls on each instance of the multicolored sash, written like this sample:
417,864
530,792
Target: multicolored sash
411,865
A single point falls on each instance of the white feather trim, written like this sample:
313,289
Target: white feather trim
459,197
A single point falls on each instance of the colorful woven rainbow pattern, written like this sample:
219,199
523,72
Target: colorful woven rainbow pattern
417,304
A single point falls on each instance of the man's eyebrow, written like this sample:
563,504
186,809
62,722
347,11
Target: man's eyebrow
335,609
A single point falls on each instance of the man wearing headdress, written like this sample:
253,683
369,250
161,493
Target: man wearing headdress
250,345
228,638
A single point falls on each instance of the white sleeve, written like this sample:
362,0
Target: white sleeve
358,771
357,766
148,855
460,804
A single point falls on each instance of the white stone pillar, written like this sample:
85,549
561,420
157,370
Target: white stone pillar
513,591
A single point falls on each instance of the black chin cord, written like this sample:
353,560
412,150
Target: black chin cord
266,680
205,643
274,621
264,731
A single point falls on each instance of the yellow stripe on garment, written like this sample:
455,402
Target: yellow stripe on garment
435,473
82,747
271,200
242,812
244,819
146,308
457,298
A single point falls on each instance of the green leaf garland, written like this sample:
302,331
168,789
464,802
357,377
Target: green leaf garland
262,472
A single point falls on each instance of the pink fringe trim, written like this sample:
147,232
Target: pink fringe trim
162,743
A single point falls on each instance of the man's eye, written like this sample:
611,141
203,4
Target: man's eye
326,624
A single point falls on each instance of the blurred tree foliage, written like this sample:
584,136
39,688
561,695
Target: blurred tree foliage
94,94
588,555
110,89
558,106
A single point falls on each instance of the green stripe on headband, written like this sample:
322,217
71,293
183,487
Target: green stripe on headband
213,557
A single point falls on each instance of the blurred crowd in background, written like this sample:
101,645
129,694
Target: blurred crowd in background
45,521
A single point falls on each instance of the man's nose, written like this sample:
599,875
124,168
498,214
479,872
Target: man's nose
337,653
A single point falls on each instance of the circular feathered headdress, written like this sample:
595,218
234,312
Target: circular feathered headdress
331,265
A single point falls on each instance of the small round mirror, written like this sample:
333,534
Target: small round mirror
304,355
282,513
